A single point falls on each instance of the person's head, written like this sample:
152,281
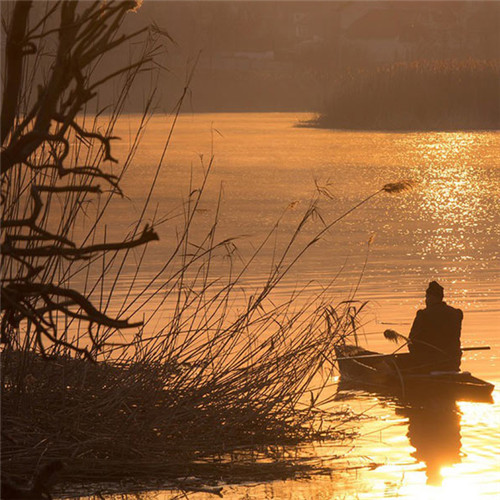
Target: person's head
434,293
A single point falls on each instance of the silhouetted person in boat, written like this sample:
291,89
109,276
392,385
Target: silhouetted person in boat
435,334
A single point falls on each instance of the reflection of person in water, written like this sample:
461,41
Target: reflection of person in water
434,432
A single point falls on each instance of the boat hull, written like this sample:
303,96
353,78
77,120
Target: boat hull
391,374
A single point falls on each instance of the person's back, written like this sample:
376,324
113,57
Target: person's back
435,334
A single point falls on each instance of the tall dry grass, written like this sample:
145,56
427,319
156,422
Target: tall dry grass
422,95
220,378
223,388
209,391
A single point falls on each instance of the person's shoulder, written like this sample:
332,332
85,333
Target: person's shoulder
421,313
455,310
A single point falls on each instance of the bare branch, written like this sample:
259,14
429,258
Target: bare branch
35,193
51,250
36,140
105,141
15,294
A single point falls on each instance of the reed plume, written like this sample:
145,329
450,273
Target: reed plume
398,187
393,336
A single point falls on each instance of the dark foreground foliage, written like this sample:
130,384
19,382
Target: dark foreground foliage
145,421
423,95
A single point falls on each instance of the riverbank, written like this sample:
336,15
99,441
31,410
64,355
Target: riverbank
414,97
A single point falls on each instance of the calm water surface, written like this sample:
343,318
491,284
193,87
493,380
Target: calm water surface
447,228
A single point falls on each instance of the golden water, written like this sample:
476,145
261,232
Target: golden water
447,228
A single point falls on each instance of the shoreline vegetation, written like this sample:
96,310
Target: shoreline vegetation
416,96
208,390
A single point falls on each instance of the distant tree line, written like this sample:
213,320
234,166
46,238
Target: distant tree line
423,95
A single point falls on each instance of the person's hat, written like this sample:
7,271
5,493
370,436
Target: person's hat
436,289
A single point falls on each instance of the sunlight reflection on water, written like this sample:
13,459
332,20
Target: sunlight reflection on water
447,228
453,190
460,443
456,447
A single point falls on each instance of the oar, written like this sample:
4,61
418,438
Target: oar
479,348
391,335
394,336
382,355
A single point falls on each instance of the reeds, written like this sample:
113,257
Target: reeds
226,382
212,391
421,95
170,407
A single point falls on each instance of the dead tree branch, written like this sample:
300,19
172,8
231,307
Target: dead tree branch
37,151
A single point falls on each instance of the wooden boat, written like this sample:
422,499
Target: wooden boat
390,374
